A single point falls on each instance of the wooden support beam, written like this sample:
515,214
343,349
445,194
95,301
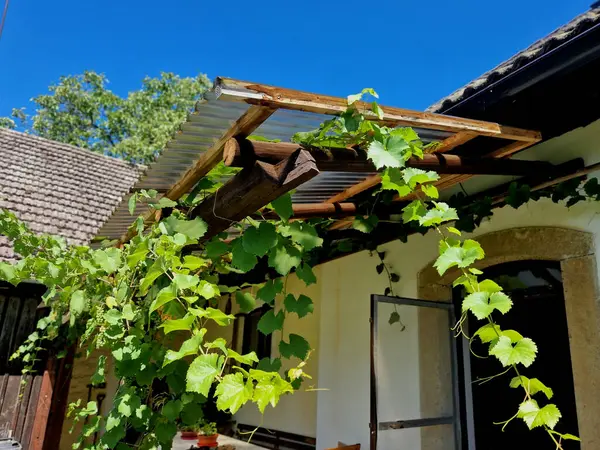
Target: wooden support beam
244,152
260,94
245,125
446,145
312,210
253,188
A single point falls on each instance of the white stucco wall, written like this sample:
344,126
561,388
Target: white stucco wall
346,285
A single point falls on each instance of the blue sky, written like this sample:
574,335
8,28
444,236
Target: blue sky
413,53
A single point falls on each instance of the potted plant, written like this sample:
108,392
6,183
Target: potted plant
188,432
207,434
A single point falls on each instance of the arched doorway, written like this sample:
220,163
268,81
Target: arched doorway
574,251
538,312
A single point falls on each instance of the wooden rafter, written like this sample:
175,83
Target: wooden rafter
242,152
261,94
253,188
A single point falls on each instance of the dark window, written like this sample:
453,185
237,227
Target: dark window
538,313
252,340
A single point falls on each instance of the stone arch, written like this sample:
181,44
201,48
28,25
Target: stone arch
575,252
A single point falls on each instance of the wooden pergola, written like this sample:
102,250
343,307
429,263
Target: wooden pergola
470,148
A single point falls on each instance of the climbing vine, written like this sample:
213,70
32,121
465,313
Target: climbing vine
389,149
152,303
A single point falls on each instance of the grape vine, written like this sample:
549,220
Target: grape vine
389,149
151,302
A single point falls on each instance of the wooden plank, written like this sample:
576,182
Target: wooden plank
42,411
454,141
36,385
260,94
252,189
26,325
245,125
8,412
62,369
8,330
313,210
23,404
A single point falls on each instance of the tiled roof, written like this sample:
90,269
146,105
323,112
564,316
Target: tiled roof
58,188
558,37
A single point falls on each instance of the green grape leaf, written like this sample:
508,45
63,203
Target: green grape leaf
269,365
171,325
164,296
365,224
165,432
302,306
155,271
381,157
193,262
298,347
172,409
191,229
77,304
531,385
258,241
303,234
432,192
306,274
233,392
188,347
202,373
413,211
248,358
440,214
164,202
109,260
216,248
270,322
488,333
183,282
139,253
523,352
192,413
394,318
391,180
283,206
270,289
245,300
482,304
207,290
218,316
413,176
241,259
284,258
99,375
458,255
131,204
534,416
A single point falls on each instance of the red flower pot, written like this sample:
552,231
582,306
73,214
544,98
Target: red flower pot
207,441
189,435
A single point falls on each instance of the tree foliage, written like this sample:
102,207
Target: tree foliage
82,111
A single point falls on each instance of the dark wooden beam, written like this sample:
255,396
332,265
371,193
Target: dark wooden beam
313,210
242,152
253,188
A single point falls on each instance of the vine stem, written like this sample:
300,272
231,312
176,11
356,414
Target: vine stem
491,322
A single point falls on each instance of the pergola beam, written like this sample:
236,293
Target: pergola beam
261,94
252,189
241,152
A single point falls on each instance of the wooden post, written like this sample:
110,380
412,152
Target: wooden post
253,188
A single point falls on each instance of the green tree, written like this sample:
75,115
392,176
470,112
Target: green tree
82,111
